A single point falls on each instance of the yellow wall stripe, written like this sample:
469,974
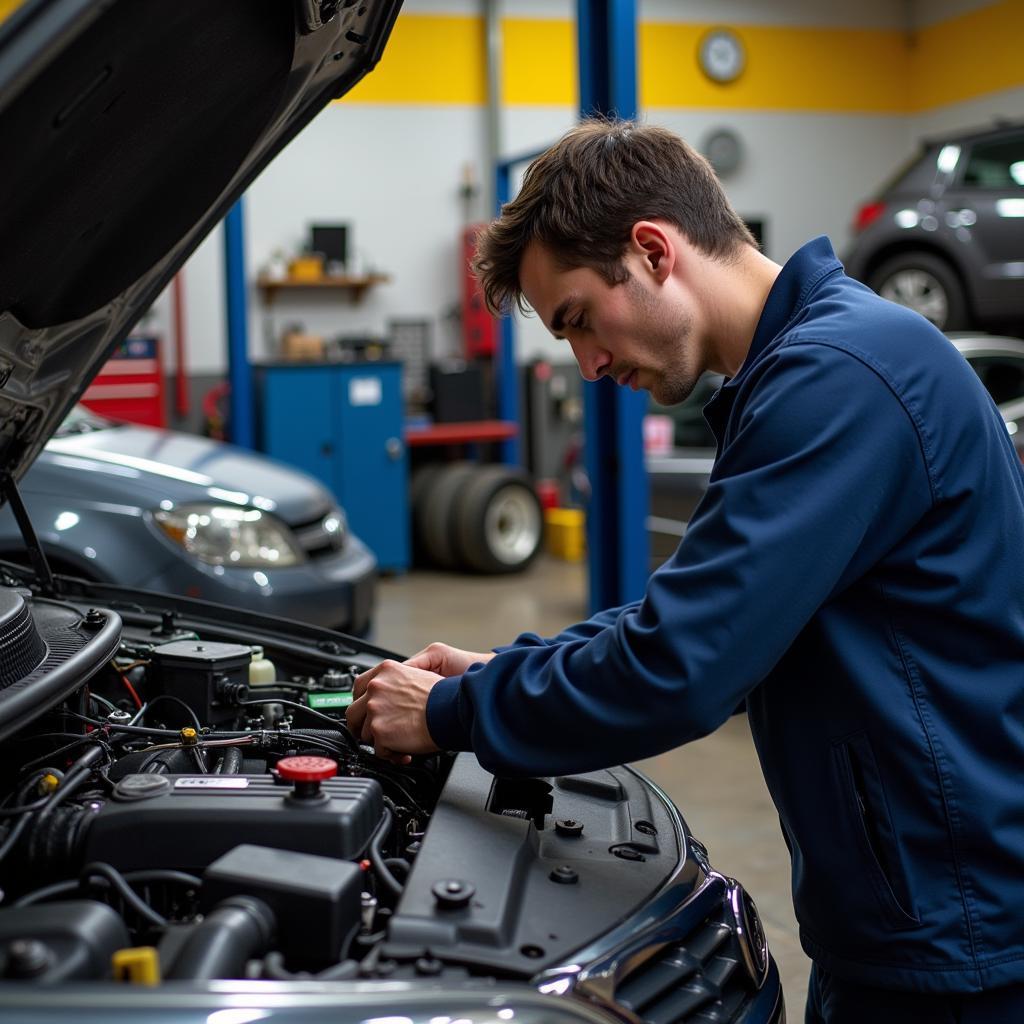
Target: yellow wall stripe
439,59
787,69
539,62
968,56
429,59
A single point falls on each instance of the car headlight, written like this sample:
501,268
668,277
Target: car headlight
228,535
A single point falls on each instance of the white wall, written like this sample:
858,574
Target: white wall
864,14
1008,104
394,172
923,13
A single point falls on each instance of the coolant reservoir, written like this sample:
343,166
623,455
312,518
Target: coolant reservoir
261,670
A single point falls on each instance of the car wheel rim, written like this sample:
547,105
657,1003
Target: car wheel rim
512,525
920,291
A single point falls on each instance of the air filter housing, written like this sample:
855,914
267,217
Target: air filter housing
21,647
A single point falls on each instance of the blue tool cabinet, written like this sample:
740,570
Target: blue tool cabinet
342,423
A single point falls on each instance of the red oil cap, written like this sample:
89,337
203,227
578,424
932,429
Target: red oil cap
307,769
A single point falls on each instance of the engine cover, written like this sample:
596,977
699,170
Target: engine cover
188,821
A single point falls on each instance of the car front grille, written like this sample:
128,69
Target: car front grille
698,979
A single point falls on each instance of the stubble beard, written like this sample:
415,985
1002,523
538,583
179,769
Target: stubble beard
671,336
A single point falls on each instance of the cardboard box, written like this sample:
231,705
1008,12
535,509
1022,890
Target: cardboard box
297,345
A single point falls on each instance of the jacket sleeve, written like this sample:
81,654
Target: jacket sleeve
823,474
580,631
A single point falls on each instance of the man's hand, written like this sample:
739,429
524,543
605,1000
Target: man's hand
390,710
445,660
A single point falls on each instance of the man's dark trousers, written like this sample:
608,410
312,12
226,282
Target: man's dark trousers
830,1000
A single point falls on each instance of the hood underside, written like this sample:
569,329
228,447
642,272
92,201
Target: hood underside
130,127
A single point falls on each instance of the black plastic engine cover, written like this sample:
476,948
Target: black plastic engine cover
491,888
190,821
63,941
316,900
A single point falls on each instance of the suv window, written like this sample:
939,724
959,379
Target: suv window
1003,377
916,173
996,164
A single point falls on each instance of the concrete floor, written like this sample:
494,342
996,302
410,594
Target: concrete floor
716,782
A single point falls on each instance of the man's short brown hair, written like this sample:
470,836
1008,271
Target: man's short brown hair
581,198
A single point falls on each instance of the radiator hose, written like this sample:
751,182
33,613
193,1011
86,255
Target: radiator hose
237,930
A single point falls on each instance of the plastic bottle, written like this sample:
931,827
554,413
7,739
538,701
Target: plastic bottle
261,671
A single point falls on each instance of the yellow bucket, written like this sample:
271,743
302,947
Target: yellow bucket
565,533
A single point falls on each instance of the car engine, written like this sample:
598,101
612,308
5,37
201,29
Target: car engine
167,791
181,800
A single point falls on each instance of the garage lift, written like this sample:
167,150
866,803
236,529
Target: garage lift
617,539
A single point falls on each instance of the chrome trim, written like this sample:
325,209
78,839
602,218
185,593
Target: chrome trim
749,932
290,1002
600,979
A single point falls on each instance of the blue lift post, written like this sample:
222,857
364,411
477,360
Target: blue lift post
240,416
506,384
617,541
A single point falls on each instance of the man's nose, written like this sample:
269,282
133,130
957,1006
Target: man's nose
592,360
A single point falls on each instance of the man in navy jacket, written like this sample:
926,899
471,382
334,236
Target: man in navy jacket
855,573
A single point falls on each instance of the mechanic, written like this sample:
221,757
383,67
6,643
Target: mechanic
854,574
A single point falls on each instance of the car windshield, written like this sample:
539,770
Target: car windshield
81,421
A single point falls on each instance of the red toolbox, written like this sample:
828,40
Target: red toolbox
131,384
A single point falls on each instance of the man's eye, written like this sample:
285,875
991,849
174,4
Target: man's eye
579,323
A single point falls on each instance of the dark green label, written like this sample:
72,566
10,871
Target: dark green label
320,701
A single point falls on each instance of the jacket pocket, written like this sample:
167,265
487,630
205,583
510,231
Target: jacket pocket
872,823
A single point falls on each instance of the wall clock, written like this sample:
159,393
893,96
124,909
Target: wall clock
721,55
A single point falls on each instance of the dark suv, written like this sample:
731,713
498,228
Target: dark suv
945,235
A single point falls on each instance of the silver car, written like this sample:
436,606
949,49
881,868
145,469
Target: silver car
175,513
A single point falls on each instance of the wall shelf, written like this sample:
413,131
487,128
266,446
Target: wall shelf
356,284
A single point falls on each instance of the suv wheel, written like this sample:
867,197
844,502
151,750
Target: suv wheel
927,285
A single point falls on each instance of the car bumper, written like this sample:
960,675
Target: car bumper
336,591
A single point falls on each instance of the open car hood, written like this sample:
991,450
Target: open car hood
129,129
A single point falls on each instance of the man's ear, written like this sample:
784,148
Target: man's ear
654,246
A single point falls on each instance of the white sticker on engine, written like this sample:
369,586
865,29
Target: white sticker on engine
206,782
365,391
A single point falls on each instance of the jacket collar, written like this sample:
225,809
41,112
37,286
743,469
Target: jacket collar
802,272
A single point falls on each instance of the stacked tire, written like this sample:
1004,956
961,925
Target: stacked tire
476,518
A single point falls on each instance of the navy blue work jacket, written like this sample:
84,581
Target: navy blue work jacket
855,572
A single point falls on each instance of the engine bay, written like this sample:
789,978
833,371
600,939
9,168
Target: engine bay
180,799
154,785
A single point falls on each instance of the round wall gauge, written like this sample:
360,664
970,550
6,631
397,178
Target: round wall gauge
724,150
721,55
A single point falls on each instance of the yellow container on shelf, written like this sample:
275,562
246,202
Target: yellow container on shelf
565,533
306,268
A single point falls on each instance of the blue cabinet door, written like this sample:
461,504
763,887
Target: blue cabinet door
298,420
370,458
